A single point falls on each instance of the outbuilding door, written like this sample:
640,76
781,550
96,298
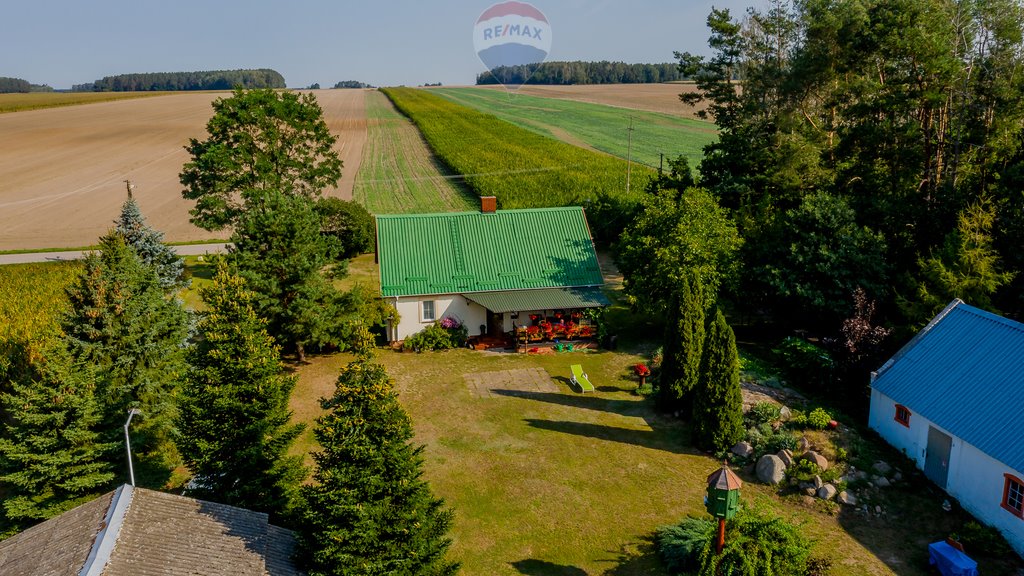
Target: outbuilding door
936,459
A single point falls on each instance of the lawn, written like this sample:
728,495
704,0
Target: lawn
398,172
595,126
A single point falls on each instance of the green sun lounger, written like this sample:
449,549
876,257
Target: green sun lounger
579,378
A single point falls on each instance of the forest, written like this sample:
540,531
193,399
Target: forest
875,145
580,72
204,80
20,86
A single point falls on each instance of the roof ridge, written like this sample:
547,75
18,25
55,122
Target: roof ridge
477,212
104,543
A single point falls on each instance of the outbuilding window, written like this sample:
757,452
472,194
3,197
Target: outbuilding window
428,311
1013,495
902,415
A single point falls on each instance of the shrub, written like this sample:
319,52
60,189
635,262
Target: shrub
777,441
818,419
798,420
978,538
804,364
680,546
803,470
757,544
764,412
438,336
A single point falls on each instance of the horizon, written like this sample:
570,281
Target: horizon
380,43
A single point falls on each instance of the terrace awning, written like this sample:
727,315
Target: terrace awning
539,299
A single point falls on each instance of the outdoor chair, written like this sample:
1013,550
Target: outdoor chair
579,378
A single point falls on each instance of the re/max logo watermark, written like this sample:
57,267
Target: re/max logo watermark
495,32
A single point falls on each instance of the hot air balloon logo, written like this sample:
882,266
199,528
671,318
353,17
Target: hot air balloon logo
512,39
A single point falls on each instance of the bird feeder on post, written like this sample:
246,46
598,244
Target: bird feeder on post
723,499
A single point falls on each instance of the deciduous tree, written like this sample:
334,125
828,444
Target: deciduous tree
259,141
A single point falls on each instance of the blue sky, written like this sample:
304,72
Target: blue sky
388,42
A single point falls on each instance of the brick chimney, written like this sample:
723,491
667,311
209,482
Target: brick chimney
488,204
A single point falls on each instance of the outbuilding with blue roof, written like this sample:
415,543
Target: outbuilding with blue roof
953,401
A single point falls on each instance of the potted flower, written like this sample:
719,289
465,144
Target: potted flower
642,371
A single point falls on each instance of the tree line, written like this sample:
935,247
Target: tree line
211,387
870,160
17,85
352,84
581,72
171,81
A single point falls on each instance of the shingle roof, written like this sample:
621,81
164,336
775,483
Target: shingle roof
477,252
57,547
965,372
160,534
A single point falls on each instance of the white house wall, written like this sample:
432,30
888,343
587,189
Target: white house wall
975,479
452,305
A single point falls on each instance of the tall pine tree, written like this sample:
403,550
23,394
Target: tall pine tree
51,454
718,401
369,511
148,245
124,324
233,428
683,344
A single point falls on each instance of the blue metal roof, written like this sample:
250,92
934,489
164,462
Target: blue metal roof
965,372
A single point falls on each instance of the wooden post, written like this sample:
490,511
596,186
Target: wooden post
721,536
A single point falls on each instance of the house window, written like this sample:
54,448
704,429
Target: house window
903,415
1013,495
428,311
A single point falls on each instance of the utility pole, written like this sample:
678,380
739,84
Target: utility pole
128,184
629,152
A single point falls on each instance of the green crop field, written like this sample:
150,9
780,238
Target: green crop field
36,100
522,168
399,173
596,126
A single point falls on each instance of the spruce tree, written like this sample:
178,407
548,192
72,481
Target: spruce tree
369,511
683,343
148,245
279,250
51,455
123,324
233,428
718,401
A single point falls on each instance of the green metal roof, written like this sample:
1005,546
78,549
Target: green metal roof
540,299
458,253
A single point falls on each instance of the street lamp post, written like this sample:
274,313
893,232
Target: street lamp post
128,443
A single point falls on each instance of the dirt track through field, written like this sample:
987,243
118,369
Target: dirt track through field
62,170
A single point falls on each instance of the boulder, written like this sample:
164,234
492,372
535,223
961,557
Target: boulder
827,492
803,444
743,449
785,414
786,456
817,482
770,469
847,498
810,491
882,468
882,482
897,476
818,459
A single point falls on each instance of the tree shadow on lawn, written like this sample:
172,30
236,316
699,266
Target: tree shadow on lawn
666,433
534,567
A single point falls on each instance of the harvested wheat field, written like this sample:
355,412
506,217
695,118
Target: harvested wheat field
62,170
651,97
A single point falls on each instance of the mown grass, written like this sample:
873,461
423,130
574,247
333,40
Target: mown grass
38,100
399,173
598,126
522,168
